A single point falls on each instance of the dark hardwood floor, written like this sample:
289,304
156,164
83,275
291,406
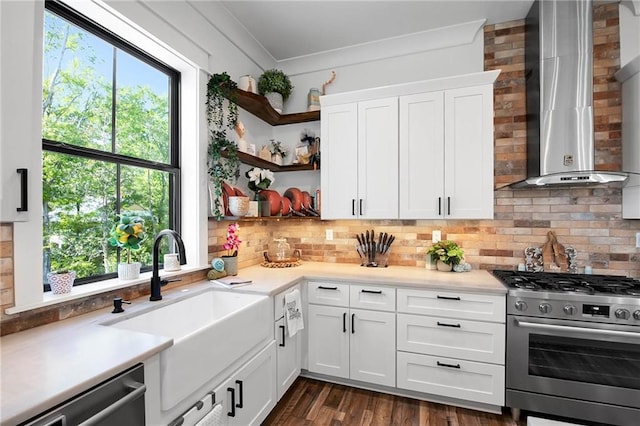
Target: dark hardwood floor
312,402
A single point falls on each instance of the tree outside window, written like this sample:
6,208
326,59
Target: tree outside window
109,117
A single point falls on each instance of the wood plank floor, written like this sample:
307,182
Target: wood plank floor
312,402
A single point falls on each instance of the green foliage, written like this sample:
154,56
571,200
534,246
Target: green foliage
275,81
128,233
220,168
447,251
220,88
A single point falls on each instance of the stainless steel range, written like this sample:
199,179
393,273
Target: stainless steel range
573,345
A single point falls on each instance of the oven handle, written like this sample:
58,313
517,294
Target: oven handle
534,325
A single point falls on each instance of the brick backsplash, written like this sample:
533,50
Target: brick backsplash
586,218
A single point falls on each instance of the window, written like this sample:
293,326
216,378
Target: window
110,145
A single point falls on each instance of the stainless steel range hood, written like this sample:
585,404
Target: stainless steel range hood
559,82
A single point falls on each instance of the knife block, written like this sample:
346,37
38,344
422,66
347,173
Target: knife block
380,260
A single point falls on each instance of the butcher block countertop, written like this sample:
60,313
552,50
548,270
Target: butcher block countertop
47,365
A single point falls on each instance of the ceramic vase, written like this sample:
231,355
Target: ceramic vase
313,100
61,283
443,267
129,271
275,100
276,158
230,264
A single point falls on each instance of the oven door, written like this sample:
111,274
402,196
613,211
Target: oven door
587,361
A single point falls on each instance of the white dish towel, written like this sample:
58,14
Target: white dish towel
293,312
213,417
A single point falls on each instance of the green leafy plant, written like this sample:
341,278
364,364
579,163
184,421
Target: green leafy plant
278,148
224,165
220,88
259,179
128,233
275,81
446,251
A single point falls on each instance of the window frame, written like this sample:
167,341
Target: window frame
173,167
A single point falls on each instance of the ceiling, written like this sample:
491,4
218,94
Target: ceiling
293,29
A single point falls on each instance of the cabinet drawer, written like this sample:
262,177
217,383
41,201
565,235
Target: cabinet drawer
471,340
373,297
278,300
327,293
472,306
454,378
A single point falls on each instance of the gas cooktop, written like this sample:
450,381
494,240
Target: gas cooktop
553,282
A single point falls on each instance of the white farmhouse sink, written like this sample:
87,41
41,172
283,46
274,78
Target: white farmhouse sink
210,330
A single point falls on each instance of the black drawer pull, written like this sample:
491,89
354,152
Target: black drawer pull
353,327
283,338
321,287
232,413
449,206
442,364
344,322
360,206
239,383
442,324
439,206
372,291
448,297
353,207
24,191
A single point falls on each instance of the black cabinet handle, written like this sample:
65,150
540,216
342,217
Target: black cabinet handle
232,413
360,206
371,291
353,207
442,324
282,329
321,287
239,383
24,190
442,364
449,206
353,326
439,206
448,298
344,322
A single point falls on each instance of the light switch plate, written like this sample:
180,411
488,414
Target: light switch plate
329,235
436,236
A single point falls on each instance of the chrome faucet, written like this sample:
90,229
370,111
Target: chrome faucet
156,282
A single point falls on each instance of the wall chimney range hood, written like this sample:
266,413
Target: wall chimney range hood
559,84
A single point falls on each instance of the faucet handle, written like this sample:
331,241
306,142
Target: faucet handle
164,282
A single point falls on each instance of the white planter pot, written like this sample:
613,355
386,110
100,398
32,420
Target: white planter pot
129,271
443,267
275,100
61,283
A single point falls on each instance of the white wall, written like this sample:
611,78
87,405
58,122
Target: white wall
629,30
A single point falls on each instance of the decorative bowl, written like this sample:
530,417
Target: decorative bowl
238,206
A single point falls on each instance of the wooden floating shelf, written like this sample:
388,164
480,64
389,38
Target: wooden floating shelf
260,107
266,218
252,160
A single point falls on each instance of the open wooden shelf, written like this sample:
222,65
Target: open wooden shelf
252,160
266,218
260,107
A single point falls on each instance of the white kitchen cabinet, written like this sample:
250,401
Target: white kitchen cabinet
288,349
250,394
446,153
353,343
20,105
359,173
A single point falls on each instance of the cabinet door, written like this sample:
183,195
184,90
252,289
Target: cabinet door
378,159
339,171
329,340
443,303
288,356
422,156
20,102
250,393
373,347
469,153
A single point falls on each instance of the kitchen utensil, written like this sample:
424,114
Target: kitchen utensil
384,242
285,206
379,248
307,204
295,195
391,240
274,200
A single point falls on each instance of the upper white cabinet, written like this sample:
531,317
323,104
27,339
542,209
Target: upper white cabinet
420,150
359,173
20,102
446,154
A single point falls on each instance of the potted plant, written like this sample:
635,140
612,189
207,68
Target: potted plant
231,245
220,88
278,152
128,233
61,281
276,87
446,254
224,165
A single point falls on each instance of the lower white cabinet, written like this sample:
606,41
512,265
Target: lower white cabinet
250,393
451,377
352,343
288,356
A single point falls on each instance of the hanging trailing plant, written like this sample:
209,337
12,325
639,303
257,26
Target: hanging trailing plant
220,88
223,154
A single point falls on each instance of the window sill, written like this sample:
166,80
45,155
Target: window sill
86,290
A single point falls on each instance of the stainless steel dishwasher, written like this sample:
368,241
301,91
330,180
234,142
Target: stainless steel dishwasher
116,401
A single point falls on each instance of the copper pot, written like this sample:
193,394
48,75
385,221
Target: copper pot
295,196
307,204
274,200
285,206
